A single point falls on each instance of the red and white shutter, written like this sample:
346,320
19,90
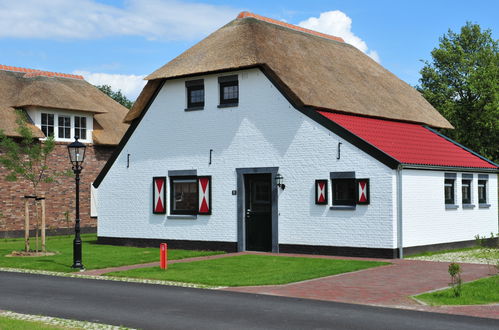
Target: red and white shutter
362,191
159,195
321,192
204,191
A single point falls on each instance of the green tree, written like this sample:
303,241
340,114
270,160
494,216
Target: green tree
462,83
25,158
117,96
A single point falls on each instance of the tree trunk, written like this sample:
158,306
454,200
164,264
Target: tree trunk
44,249
37,224
26,224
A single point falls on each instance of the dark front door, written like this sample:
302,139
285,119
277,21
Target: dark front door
258,212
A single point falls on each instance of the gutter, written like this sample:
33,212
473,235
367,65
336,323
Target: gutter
400,243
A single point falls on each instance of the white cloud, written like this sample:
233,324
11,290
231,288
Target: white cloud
130,85
88,19
337,23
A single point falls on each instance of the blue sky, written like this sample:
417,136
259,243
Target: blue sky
118,42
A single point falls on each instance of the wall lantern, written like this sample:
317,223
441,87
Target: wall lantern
279,180
76,152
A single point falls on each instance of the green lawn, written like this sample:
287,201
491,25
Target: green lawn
94,255
247,270
483,291
12,324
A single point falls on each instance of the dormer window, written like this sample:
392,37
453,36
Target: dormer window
64,126
195,94
229,91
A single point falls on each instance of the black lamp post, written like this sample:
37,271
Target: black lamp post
76,151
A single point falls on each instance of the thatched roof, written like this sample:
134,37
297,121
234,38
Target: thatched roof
24,88
315,70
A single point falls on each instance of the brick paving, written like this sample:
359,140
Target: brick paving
388,286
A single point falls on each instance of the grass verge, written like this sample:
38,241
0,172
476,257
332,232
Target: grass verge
95,255
12,324
483,291
248,270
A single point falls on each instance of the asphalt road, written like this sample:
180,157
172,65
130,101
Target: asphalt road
148,306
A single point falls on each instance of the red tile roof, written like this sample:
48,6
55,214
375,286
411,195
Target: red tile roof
408,143
245,14
34,73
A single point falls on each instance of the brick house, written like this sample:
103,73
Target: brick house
62,105
266,136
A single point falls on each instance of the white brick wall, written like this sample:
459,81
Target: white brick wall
263,131
427,221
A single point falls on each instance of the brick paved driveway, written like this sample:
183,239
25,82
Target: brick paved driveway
387,286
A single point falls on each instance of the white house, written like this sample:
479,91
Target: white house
270,137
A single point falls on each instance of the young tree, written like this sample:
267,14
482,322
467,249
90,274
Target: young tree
117,96
25,158
462,83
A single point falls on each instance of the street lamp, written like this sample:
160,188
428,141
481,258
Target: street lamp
76,152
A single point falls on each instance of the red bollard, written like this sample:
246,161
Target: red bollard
163,255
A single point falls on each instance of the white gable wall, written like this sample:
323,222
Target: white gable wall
427,221
263,131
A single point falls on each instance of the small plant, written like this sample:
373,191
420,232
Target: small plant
455,277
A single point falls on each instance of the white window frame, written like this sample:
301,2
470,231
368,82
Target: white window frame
36,115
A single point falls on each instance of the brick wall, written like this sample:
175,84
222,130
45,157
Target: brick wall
60,195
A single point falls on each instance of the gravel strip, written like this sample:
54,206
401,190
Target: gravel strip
55,321
461,257
109,278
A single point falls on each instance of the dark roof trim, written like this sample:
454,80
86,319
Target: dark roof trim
360,143
461,146
124,140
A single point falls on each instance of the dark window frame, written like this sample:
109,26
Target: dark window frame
351,185
228,81
191,86
173,211
452,183
482,183
466,184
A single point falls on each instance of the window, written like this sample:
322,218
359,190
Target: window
466,191
449,191
195,94
482,191
80,127
343,191
48,124
64,127
229,91
184,195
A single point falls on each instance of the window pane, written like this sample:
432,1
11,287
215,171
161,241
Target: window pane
449,191
197,96
81,127
184,195
64,127
466,191
343,191
47,124
482,191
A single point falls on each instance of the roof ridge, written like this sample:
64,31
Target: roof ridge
29,73
245,14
